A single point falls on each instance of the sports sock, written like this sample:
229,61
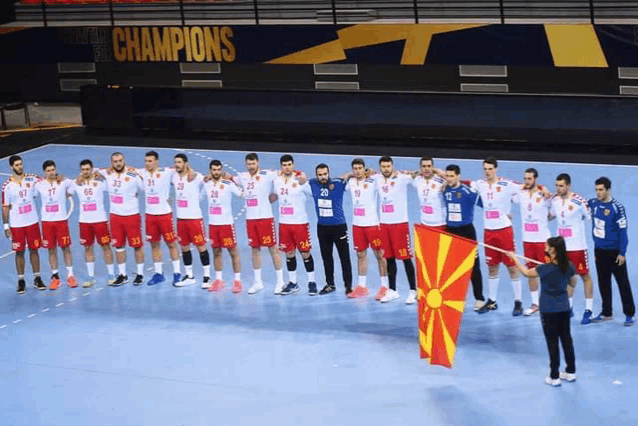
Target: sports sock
158,267
493,290
90,267
516,286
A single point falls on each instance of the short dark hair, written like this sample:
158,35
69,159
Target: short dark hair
116,153
386,159
252,156
85,162
492,161
453,168
182,156
152,154
565,177
48,163
322,166
13,159
605,181
215,163
358,161
426,159
533,171
285,158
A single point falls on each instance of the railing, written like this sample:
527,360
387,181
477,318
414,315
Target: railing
186,12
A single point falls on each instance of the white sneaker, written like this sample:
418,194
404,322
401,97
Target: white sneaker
255,288
569,377
552,382
390,295
411,298
531,310
186,280
479,304
207,283
279,288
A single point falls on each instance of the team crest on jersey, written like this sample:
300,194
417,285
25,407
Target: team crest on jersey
157,175
498,189
365,186
433,186
221,186
458,195
28,185
607,212
392,183
95,184
331,186
571,208
294,185
538,200
126,179
256,177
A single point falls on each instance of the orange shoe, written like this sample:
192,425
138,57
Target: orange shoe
382,291
217,285
359,291
71,282
54,284
236,286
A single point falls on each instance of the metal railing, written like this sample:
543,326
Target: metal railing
186,12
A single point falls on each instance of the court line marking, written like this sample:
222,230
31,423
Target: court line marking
3,326
17,321
46,309
59,304
32,149
31,315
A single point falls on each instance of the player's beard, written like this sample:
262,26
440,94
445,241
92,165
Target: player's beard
120,170
387,175
324,181
18,172
216,176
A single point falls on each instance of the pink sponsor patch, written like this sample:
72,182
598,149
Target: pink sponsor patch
427,209
565,232
152,200
182,203
90,207
359,211
52,209
117,199
251,202
492,214
387,208
287,210
531,227
25,209
215,210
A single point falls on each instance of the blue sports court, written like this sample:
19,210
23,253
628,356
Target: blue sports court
183,356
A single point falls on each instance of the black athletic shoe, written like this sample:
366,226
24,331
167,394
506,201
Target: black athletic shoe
518,308
121,279
329,288
37,282
312,288
490,305
348,290
22,286
290,288
139,279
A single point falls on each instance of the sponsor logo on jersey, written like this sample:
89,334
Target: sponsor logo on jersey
221,186
331,186
571,208
607,212
458,195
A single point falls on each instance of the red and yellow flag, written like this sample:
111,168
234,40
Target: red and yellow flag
444,267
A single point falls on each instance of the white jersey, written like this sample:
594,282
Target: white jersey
91,198
571,214
257,189
219,196
497,201
393,196
364,201
534,211
20,196
53,196
157,186
123,189
187,196
292,200
433,211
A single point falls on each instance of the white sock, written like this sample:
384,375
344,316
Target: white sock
218,275
237,276
516,286
384,281
69,271
207,271
571,302
90,267
158,267
292,276
189,270
121,268
140,269
54,271
534,297
589,304
280,276
111,269
257,273
176,266
311,276
493,283
362,280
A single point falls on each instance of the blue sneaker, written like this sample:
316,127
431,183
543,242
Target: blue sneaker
176,277
587,317
156,279
629,321
290,288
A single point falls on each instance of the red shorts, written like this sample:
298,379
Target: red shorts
534,251
56,234
294,237
24,235
90,232
395,240
261,232
503,239
191,231
158,226
366,236
126,229
579,259
222,236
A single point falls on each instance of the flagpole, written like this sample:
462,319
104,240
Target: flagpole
505,251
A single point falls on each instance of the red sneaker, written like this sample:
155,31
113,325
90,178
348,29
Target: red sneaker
382,291
54,284
71,282
217,285
236,286
359,291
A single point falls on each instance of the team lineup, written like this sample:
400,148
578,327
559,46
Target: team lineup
379,222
